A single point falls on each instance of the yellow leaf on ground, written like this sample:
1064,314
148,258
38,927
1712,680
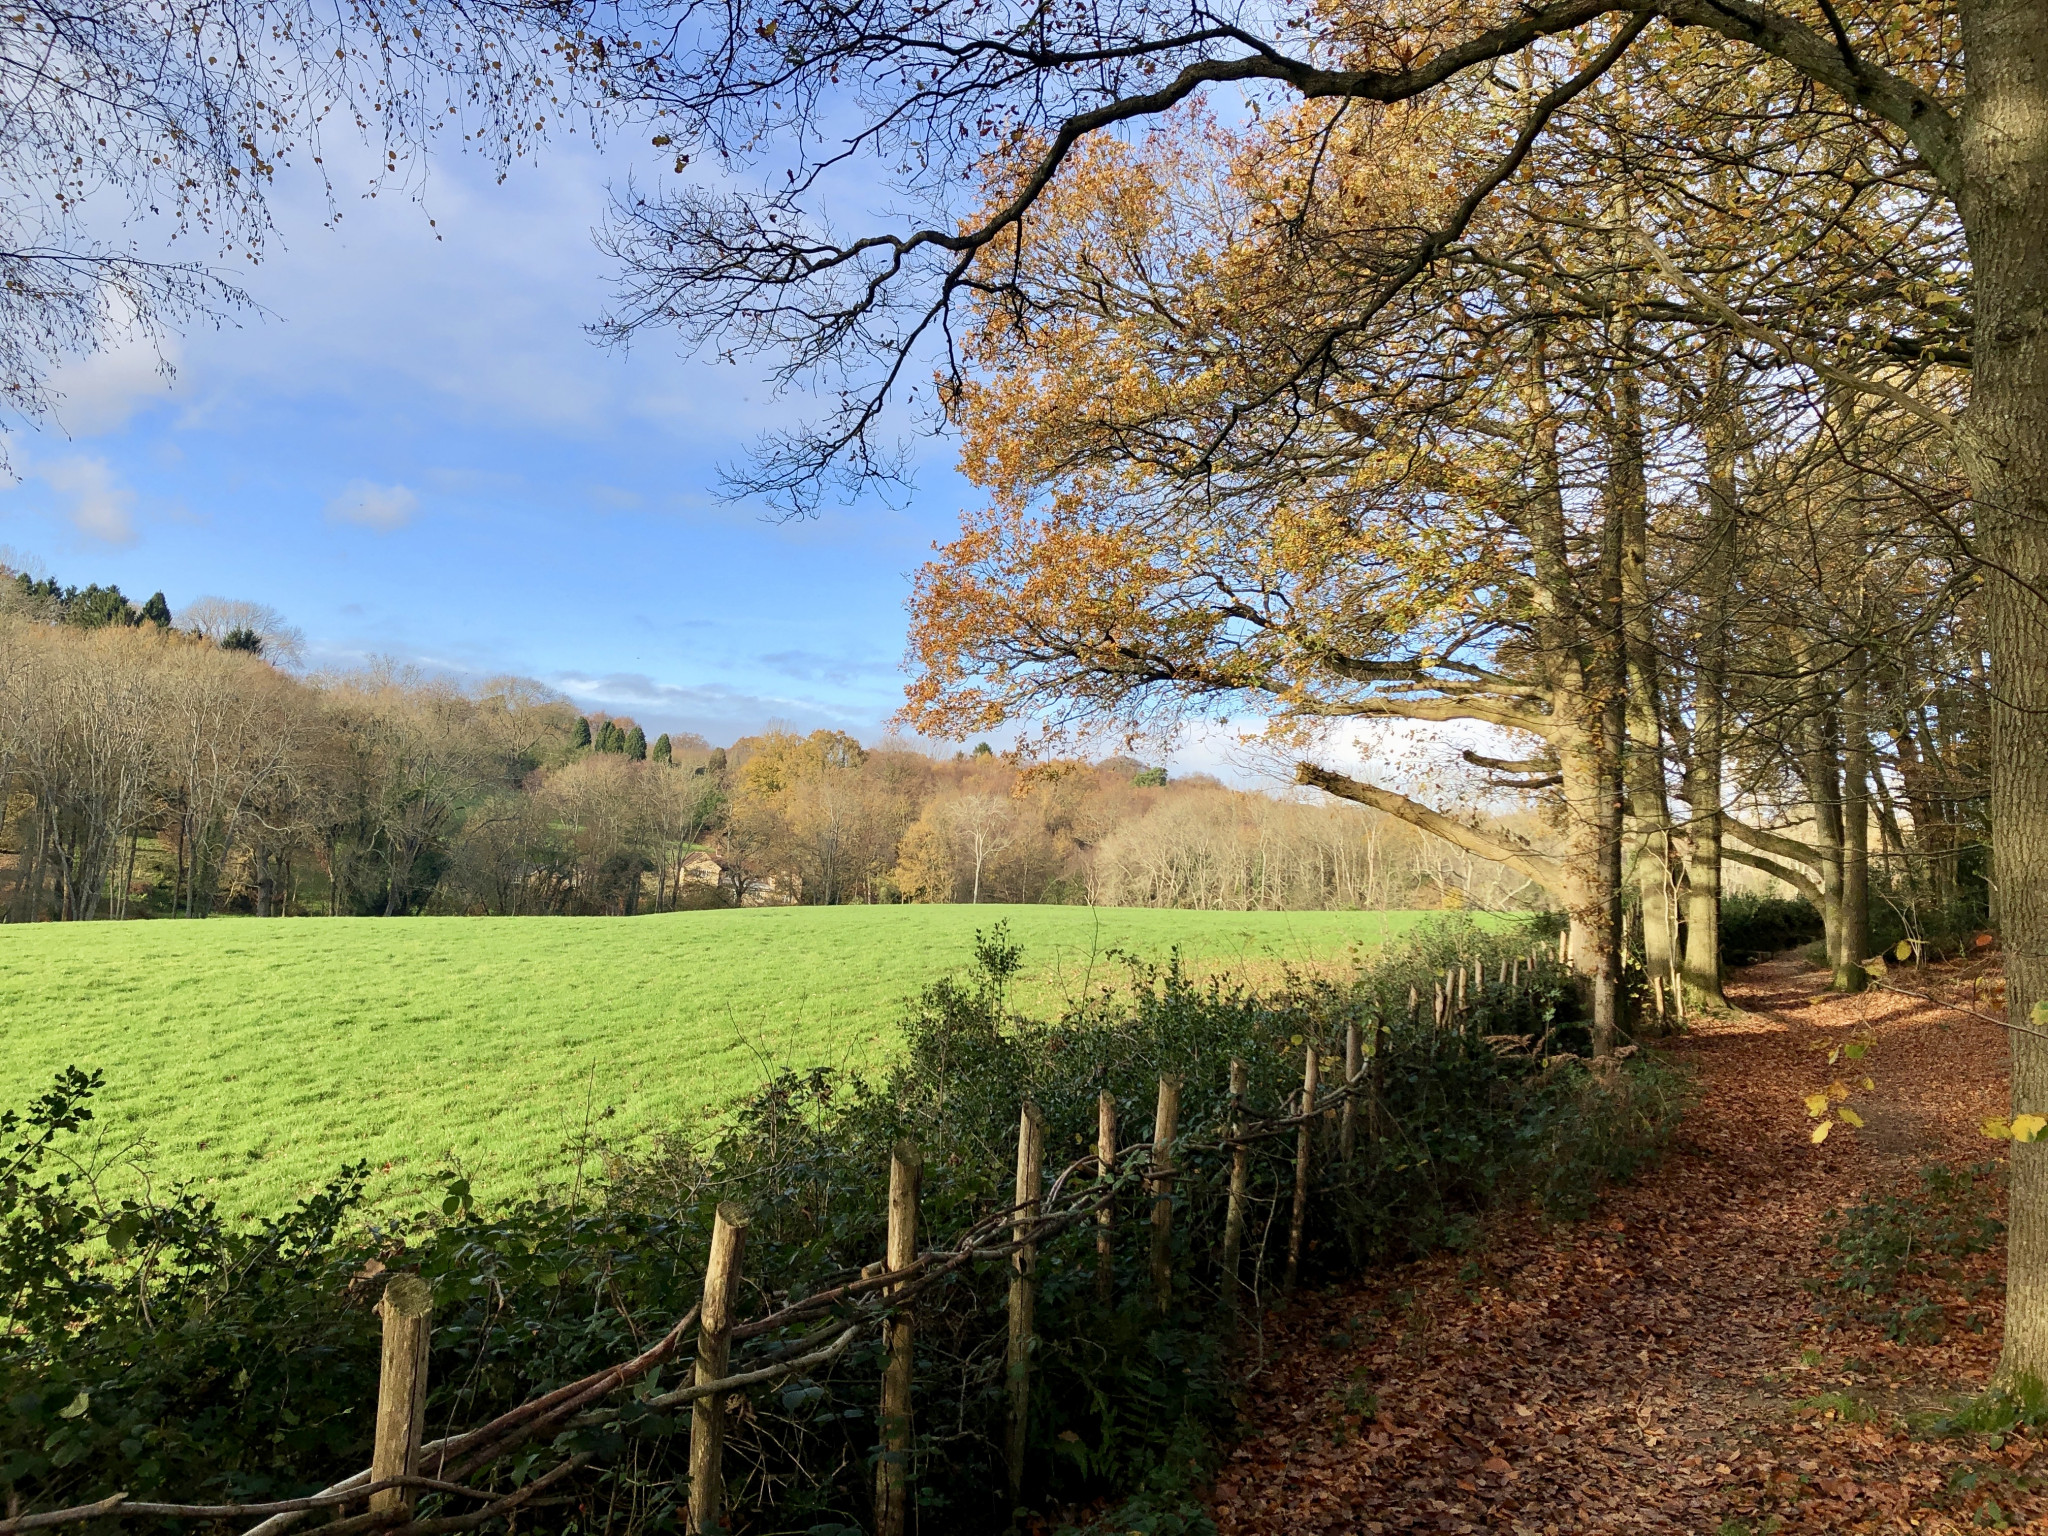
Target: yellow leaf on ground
1837,1091
1996,1128
1816,1104
1850,1117
1820,1132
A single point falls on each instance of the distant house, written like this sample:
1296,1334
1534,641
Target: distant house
702,868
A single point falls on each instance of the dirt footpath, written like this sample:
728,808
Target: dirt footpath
1663,1367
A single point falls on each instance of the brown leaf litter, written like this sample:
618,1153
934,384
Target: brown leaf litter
1662,1367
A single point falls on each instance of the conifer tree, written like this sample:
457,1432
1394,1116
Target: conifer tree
579,733
635,745
157,611
664,749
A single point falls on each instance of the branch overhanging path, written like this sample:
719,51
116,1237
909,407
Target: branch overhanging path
765,272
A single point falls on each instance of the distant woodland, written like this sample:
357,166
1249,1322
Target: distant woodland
160,765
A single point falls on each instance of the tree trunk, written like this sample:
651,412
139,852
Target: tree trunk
1645,751
2004,206
1722,428
1857,768
1820,773
1609,696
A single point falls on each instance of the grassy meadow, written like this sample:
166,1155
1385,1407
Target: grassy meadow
255,1057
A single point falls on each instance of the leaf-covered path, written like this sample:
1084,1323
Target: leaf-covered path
1662,1367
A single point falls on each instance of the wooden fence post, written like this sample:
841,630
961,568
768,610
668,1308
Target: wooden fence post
1347,1131
408,1311
1564,947
1165,1127
1240,1198
714,1350
1414,1005
1382,1035
1105,1219
1301,1155
1023,1267
892,1469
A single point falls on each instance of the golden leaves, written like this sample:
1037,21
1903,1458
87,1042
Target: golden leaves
1829,1106
2019,1128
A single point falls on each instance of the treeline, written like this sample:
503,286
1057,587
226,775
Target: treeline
167,769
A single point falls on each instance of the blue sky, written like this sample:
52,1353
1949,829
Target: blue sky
417,452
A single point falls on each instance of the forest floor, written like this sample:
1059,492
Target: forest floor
1670,1365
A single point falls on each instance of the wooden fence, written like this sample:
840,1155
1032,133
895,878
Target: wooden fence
404,1466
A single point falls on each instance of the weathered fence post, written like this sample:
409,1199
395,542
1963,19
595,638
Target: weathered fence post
1301,1156
1347,1131
408,1311
1461,989
1382,1034
892,1469
1023,1269
714,1350
1105,1218
1564,947
1240,1198
1165,1127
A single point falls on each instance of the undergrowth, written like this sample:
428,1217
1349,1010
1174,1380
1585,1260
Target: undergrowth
1884,1252
147,1344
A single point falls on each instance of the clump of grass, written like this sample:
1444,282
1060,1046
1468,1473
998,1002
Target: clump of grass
1998,1411
1846,1407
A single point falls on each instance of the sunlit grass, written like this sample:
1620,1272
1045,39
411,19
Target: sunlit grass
255,1057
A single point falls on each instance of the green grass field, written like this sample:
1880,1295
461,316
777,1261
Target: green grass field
255,1057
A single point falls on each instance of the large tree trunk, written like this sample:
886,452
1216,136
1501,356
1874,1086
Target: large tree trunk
1609,698
2004,206
1722,429
1645,725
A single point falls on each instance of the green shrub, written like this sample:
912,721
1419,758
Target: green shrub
1877,1247
1757,927
154,1348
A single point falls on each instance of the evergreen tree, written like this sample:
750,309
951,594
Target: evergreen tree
242,638
579,733
636,745
157,611
664,750
97,606
610,738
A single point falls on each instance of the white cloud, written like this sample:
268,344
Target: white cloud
98,392
384,508
100,505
